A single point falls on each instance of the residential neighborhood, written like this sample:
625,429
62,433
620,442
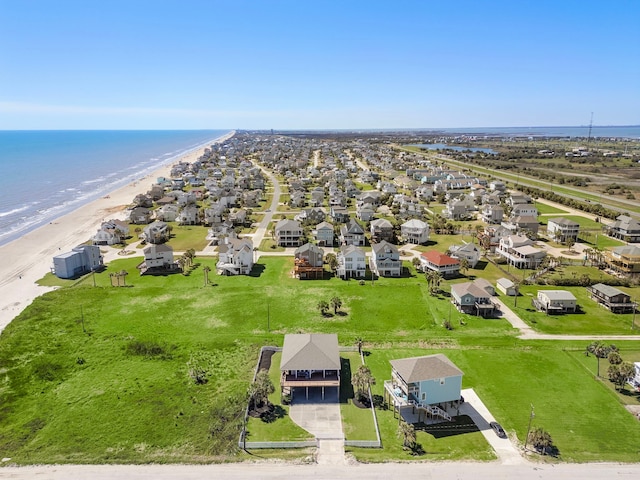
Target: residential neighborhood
374,236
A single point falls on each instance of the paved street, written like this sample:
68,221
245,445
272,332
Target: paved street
274,470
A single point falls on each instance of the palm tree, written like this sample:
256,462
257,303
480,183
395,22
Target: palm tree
323,306
261,388
540,439
332,261
588,255
124,274
408,434
206,271
336,303
362,379
111,275
433,280
464,264
600,350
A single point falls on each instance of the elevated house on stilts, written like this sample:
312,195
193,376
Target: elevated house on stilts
424,389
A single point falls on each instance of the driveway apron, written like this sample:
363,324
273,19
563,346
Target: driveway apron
322,419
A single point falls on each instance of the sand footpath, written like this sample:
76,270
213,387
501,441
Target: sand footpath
28,258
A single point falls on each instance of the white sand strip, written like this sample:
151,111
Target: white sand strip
28,258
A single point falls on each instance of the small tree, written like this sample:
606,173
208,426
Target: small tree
433,280
619,374
261,388
336,303
323,306
206,271
600,350
570,243
362,379
407,432
464,265
540,439
332,261
614,358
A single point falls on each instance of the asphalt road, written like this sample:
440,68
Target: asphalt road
356,471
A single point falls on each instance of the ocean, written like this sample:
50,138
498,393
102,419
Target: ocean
46,174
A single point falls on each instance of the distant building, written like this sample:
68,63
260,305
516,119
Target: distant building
562,229
555,301
80,260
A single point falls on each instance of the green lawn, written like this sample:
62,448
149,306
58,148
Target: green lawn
282,428
184,237
357,423
544,209
100,374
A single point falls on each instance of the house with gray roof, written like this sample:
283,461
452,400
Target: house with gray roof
310,360
562,229
625,228
385,260
381,229
555,301
288,233
612,298
472,298
431,383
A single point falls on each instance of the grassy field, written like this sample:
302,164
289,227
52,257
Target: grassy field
101,374
544,209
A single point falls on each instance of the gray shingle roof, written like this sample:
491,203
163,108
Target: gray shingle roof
315,351
429,367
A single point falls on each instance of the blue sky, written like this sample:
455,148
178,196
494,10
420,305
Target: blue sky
305,64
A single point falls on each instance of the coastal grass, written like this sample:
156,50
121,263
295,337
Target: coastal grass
102,374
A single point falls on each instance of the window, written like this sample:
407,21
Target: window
424,396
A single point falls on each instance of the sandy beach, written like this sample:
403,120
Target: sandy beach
29,258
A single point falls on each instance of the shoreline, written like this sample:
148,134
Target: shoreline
28,258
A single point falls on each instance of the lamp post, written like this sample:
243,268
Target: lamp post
526,440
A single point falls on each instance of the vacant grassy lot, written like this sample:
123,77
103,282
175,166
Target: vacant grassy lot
544,209
101,374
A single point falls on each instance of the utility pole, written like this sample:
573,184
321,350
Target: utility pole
526,440
590,126
633,318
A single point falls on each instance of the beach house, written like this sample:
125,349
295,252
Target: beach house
430,383
310,361
80,260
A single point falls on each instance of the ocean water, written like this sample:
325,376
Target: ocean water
46,174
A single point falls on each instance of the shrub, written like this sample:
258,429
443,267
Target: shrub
47,370
149,349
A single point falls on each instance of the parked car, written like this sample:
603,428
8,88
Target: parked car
498,429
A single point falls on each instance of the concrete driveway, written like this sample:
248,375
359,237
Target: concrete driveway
508,453
322,419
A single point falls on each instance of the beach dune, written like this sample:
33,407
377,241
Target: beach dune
27,259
